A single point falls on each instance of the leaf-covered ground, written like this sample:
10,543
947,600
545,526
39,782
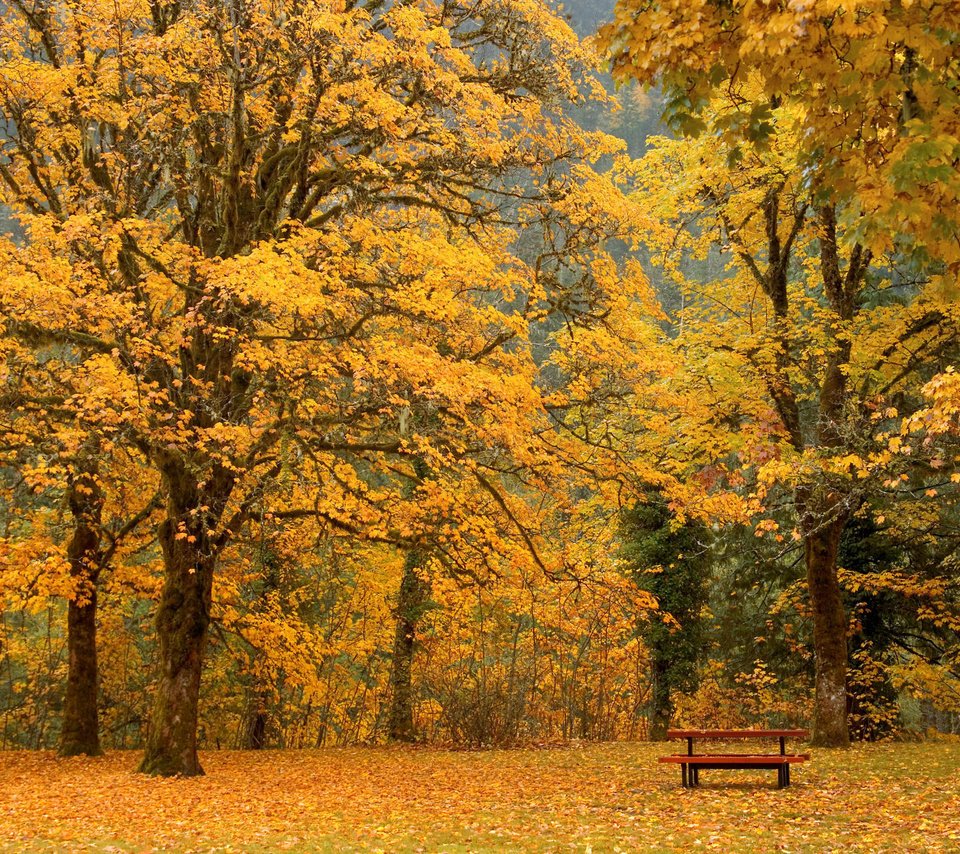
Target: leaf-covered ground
903,797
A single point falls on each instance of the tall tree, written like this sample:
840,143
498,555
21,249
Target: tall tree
801,319
254,218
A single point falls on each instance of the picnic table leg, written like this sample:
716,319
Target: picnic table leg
783,745
781,776
787,770
696,775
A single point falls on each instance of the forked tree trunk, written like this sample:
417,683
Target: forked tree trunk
80,734
661,709
825,517
182,622
410,608
829,636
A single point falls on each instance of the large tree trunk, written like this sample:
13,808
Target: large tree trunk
80,734
182,622
660,709
410,607
829,636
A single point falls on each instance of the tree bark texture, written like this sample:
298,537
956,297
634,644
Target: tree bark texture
81,730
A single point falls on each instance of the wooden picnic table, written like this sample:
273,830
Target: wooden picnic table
691,763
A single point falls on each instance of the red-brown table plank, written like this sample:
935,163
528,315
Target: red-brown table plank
737,733
733,759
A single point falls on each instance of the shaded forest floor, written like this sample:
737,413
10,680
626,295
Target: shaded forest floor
606,797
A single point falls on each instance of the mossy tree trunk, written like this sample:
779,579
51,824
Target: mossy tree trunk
182,622
411,605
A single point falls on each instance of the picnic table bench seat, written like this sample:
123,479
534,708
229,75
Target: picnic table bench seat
691,763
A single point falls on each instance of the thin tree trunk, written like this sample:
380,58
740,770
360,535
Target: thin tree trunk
829,636
661,709
182,622
80,734
255,729
410,608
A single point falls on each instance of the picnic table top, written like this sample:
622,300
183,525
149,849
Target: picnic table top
737,733
738,759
